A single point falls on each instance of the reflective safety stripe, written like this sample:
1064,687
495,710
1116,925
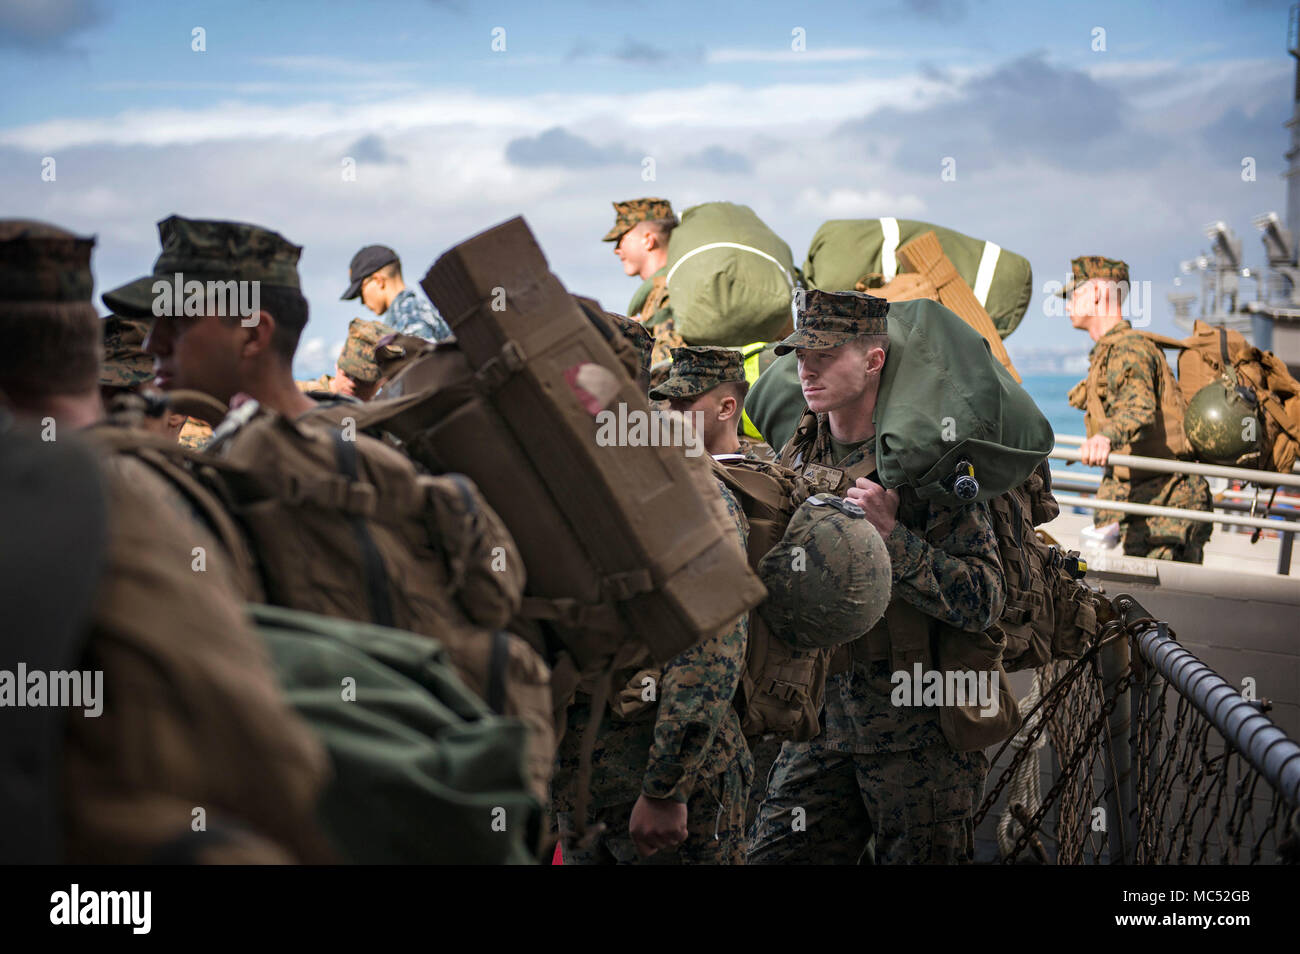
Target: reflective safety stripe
751,353
984,277
889,249
744,248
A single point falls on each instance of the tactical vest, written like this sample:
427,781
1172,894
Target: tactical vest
1165,438
1048,613
782,688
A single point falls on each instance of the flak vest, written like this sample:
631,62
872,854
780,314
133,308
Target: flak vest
903,635
1165,438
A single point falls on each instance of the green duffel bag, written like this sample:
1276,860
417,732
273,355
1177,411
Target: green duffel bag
943,399
844,250
775,402
730,279
424,773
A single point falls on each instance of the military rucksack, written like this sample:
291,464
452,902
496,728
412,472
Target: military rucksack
342,525
524,401
1049,614
424,772
1215,356
782,688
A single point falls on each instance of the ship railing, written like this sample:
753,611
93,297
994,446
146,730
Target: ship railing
1259,516
1154,759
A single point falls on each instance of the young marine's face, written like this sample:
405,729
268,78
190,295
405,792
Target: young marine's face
833,378
715,427
1080,304
200,354
631,250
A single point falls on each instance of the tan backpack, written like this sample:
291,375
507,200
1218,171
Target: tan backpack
783,688
1202,360
343,525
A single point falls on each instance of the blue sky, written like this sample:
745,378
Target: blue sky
1060,148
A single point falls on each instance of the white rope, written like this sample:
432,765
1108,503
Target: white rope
1024,787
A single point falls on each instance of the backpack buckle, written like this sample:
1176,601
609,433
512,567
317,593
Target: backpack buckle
496,371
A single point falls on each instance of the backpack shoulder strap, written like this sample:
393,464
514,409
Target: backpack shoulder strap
1164,341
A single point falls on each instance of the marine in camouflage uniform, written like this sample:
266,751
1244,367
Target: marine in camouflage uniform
192,715
881,783
128,367
356,362
1132,398
692,385
649,305
684,745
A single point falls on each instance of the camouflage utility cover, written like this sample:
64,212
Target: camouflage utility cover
829,579
633,211
1087,267
829,319
43,263
126,363
698,370
206,250
357,359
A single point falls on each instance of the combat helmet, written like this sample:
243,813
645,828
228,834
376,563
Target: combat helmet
1222,423
828,578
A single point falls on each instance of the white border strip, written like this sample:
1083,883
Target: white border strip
889,248
984,277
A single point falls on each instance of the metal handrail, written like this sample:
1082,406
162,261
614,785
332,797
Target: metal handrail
1179,513
1281,503
1074,440
1243,726
1263,477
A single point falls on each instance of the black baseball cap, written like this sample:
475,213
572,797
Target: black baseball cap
364,264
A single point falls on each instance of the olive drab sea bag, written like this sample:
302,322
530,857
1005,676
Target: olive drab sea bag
844,251
730,277
423,771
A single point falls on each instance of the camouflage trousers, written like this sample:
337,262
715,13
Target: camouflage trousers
1159,538
715,825
829,807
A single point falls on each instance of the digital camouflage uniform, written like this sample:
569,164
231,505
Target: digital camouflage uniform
687,747
649,305
357,359
881,782
1131,374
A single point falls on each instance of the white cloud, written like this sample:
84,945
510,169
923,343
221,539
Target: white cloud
715,105
853,204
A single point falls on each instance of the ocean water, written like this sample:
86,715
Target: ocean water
1049,392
